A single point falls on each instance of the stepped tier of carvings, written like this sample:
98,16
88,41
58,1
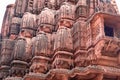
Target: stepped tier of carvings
60,40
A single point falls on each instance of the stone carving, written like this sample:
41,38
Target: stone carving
81,10
35,6
107,46
79,35
107,7
28,25
63,35
40,64
6,57
60,40
59,3
51,4
64,31
47,20
62,60
14,28
43,42
62,48
7,21
6,51
20,7
67,11
23,50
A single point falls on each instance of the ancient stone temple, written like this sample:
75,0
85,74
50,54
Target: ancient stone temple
60,40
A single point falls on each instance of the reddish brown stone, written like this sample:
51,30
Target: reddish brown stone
60,40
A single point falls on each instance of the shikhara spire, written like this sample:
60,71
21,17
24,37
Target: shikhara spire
60,40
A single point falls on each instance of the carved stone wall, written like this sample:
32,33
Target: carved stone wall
60,40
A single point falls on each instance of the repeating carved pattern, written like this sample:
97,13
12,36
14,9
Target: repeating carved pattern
60,40
20,7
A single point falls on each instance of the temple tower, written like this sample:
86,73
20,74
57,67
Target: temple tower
60,40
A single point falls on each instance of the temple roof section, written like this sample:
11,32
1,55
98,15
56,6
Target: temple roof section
111,18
